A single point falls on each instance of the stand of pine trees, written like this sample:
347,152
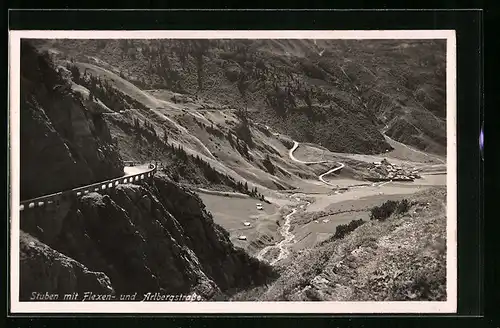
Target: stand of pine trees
212,130
268,164
182,160
101,89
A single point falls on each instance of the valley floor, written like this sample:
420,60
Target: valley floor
400,259
317,210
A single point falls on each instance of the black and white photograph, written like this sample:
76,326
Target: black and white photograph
233,171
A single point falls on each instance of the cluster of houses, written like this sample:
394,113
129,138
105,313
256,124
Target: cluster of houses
386,171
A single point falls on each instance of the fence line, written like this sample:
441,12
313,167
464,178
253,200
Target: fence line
56,198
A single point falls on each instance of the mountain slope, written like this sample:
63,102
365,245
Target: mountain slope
191,139
153,237
338,93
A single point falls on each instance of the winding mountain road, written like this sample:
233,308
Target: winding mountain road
150,101
433,157
321,177
288,236
132,174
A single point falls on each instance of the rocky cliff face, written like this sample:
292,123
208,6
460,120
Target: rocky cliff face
154,237
157,237
45,270
63,144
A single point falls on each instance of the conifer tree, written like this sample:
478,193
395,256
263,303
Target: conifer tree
165,136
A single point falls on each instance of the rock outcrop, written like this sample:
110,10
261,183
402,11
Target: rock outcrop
63,144
44,271
157,237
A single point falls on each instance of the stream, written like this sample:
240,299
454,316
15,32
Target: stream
288,237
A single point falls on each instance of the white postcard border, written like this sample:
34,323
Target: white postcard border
448,306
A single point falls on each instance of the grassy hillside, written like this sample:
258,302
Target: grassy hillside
222,142
338,93
399,255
